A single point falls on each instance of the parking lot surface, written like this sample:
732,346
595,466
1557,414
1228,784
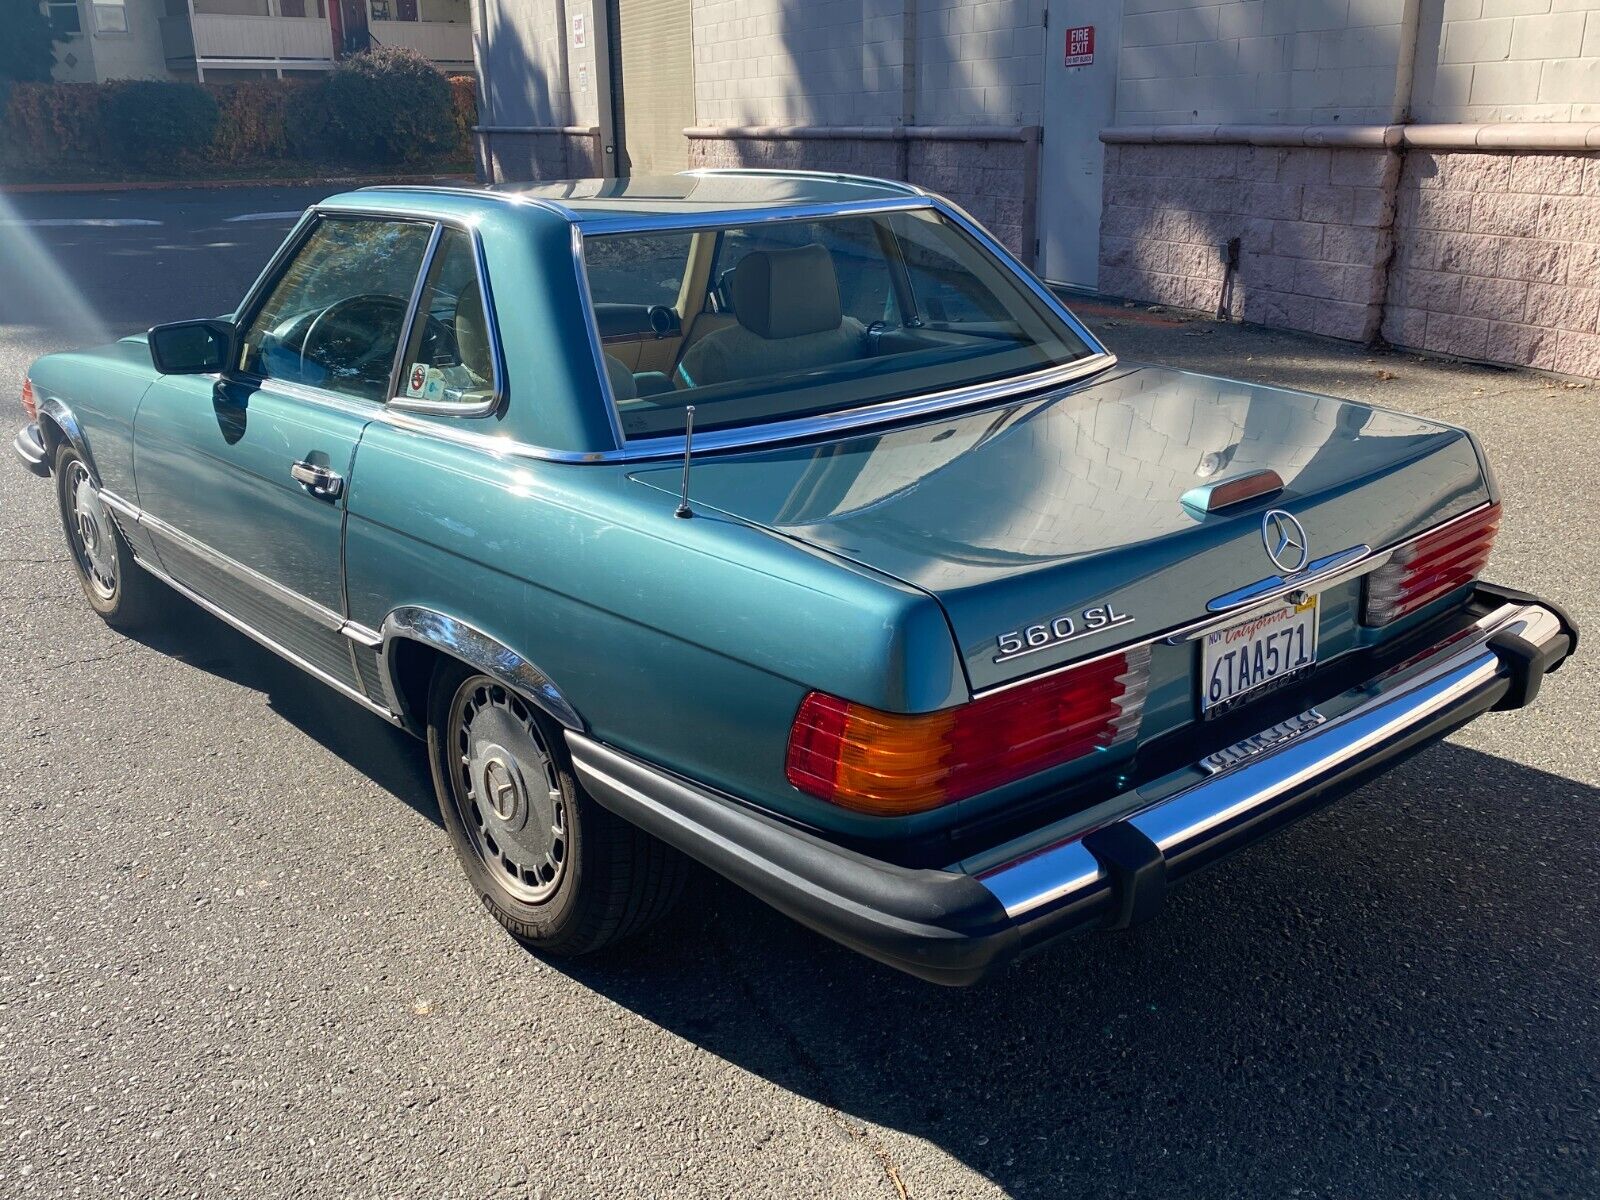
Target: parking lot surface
237,957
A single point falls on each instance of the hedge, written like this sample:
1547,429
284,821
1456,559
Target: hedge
143,126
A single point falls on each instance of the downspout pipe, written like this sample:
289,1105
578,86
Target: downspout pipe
1405,81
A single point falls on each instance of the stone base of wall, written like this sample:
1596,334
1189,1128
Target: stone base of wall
1499,259
991,173
1485,250
515,155
1312,226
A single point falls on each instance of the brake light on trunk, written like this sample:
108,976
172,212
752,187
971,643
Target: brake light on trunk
890,764
1432,566
29,404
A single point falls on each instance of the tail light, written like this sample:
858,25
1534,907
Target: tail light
893,763
1431,566
29,404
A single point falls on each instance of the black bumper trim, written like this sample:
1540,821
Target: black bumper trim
951,927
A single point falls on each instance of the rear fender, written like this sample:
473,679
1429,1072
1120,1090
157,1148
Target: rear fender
459,640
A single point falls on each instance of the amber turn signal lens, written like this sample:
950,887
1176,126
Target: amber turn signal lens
891,764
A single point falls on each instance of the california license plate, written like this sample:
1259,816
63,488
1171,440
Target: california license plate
1256,653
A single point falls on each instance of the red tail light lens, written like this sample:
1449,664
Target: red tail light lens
890,764
1433,565
29,404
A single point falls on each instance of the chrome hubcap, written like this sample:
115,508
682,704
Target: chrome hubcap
507,792
91,524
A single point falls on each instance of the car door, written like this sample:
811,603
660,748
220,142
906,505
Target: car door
243,479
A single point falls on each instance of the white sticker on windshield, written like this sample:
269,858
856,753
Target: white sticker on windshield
417,379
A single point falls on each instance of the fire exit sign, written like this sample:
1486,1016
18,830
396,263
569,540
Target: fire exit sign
1080,46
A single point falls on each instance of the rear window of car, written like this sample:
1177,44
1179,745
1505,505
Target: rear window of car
787,319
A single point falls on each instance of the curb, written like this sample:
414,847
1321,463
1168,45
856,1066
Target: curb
145,185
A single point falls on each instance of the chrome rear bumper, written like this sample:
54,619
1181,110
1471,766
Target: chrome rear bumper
30,448
952,925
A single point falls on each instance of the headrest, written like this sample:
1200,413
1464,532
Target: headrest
472,337
623,385
786,293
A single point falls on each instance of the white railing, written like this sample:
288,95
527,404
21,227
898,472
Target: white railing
269,38
434,40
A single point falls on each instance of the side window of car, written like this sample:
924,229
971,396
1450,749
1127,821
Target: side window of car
450,358
335,316
946,291
648,273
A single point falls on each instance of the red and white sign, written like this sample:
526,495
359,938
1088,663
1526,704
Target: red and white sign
580,31
1080,46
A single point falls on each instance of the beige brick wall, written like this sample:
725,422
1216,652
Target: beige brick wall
1257,61
1311,224
1509,60
1499,259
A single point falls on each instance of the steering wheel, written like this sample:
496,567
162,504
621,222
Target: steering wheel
363,320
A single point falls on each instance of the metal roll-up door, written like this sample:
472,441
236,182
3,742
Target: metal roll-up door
652,64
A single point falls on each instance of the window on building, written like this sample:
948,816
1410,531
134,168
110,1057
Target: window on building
110,16
64,19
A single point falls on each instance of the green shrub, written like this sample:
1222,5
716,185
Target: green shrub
27,51
47,122
151,124
387,105
253,120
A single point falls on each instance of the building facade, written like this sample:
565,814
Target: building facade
223,40
1424,171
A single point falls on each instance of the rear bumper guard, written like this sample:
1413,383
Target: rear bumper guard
30,449
951,926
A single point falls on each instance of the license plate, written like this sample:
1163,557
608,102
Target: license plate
1256,653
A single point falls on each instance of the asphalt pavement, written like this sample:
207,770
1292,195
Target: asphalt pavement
237,957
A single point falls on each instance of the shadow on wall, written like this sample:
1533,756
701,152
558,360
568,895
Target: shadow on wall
521,90
1346,1008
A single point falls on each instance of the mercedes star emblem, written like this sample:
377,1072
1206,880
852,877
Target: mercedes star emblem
1285,540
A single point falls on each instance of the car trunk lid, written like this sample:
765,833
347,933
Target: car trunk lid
1071,506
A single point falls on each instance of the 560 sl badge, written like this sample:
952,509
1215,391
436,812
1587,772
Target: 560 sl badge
1065,628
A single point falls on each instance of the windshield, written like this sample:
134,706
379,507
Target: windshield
786,319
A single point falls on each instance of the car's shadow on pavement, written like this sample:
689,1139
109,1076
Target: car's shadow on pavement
388,756
1352,1008
1359,1006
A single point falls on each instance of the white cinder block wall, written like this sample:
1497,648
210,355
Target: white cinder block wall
1257,61
1510,60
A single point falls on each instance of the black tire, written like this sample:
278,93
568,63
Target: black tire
119,589
614,880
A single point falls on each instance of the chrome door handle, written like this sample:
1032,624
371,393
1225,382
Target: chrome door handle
319,481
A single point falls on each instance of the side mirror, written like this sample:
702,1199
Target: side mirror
192,347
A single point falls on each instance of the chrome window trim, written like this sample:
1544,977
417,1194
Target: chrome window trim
591,322
498,386
1346,569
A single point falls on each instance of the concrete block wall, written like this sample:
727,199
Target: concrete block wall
1499,258
1509,60
1257,61
868,62
546,154
1312,223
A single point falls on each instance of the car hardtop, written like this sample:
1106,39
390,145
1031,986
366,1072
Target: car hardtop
641,200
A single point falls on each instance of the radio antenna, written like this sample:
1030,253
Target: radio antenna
688,449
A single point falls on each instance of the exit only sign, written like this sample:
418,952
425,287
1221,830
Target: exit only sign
1080,46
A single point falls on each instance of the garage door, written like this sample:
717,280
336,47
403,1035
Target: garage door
653,66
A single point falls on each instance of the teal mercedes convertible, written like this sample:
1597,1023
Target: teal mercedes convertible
786,523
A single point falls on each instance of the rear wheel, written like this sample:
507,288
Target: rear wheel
116,587
561,873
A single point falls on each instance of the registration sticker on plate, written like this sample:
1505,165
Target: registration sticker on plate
1240,658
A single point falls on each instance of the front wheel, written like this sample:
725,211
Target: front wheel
117,588
561,873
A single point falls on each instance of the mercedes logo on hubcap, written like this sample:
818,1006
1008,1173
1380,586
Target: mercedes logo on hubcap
1285,540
